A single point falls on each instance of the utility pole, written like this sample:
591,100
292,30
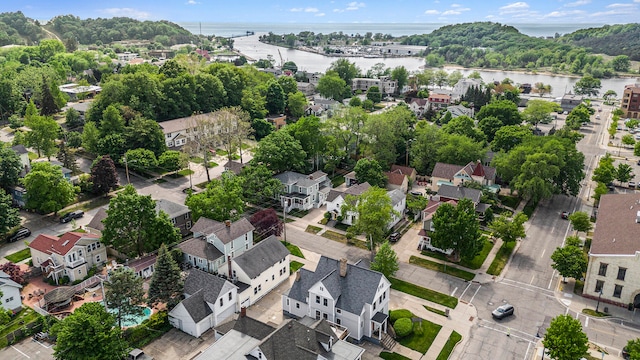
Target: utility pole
284,224
126,167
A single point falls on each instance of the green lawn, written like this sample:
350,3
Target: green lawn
22,318
294,250
313,229
294,266
443,268
454,338
424,293
298,213
197,160
393,356
473,264
185,172
421,342
32,155
19,256
510,201
337,181
332,235
501,258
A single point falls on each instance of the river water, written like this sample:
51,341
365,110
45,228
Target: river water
560,85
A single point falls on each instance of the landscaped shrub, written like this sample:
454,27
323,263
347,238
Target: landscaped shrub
399,314
403,327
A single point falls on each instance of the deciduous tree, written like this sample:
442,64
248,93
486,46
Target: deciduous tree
279,152
370,171
267,223
538,111
140,160
124,294
624,173
9,216
401,75
580,221
507,229
587,85
166,282
457,228
10,166
104,176
374,213
331,86
47,189
43,134
173,160
258,184
374,94
570,261
296,104
386,260
564,339
221,200
275,97
90,332
633,348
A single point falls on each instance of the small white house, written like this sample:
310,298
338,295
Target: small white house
210,300
10,290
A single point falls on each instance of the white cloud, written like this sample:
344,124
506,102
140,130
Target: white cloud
578,3
354,5
619,6
126,12
296,9
455,5
320,14
311,10
516,7
338,10
192,2
562,14
432,12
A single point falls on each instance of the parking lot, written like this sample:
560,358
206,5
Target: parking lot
27,349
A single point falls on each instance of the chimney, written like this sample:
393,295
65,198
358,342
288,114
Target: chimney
229,265
297,275
243,312
227,223
343,267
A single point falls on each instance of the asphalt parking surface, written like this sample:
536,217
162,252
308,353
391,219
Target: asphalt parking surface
27,349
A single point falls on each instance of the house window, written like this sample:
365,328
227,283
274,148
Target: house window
246,246
221,301
603,269
339,311
186,216
273,277
97,258
325,316
297,305
374,305
173,221
599,285
338,321
80,252
325,302
259,287
317,299
255,290
317,315
321,289
188,225
231,296
617,291
622,272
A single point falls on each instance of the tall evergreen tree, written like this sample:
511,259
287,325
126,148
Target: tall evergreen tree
124,294
67,156
49,106
166,283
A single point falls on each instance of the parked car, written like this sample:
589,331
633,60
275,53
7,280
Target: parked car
625,353
72,215
394,237
565,215
632,184
22,233
416,193
502,311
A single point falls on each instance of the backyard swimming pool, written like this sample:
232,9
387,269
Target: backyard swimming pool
134,320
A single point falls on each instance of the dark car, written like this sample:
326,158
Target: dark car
22,233
72,215
416,193
394,237
625,353
502,311
565,215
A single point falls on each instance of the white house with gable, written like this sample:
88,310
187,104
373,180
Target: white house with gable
10,299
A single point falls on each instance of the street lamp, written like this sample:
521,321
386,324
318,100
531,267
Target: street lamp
598,303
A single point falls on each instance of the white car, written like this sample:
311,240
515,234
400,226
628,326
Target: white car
632,184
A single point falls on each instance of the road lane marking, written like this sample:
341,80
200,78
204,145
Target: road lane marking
532,277
586,322
474,294
526,355
542,255
465,290
16,349
551,280
528,287
454,291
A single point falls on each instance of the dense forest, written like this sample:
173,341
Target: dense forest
15,28
609,39
493,45
96,31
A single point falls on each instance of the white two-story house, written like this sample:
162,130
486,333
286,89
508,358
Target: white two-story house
351,296
303,192
456,175
336,201
10,293
262,267
214,243
209,301
71,254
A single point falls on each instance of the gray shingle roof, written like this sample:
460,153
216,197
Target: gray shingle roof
353,291
333,194
212,286
20,149
292,177
196,306
459,192
225,233
96,221
396,196
445,171
357,189
172,209
200,248
261,257
234,166
293,340
248,326
616,230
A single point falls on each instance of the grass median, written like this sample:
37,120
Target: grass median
474,263
448,347
443,268
423,293
501,259
19,256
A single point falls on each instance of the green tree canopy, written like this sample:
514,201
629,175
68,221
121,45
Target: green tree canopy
90,332
10,166
104,176
507,229
9,216
47,189
374,213
124,294
275,97
374,94
401,75
258,184
345,69
140,160
43,134
633,348
386,260
166,283
332,86
457,228
504,110
580,221
570,261
539,111
133,226
370,171
279,152
587,85
564,339
221,200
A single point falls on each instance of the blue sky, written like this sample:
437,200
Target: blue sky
340,11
